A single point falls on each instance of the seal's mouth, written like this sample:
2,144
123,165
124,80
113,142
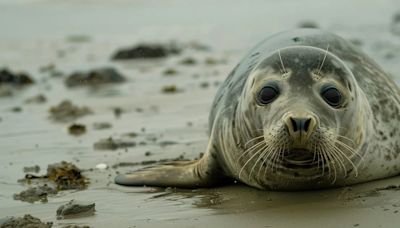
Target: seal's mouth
299,158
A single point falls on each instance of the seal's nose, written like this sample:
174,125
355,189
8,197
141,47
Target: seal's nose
300,126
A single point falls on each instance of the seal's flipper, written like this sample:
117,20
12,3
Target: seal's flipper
183,174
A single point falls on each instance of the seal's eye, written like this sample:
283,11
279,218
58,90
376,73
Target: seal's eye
268,94
332,96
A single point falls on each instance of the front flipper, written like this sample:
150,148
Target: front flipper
183,174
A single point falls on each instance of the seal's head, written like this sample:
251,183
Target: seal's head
310,117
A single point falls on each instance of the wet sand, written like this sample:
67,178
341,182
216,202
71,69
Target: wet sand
79,36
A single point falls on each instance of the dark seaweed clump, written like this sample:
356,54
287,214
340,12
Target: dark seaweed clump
14,79
66,111
147,51
94,77
66,176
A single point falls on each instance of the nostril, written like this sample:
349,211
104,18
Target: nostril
294,124
307,124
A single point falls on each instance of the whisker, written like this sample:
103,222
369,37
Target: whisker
333,163
348,139
280,57
350,149
258,159
323,61
337,155
348,159
251,149
325,162
252,140
247,162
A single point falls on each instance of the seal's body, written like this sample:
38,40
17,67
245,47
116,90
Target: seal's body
304,109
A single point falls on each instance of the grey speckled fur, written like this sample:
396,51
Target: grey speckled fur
370,116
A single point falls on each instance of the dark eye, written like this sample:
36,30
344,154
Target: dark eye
268,94
332,96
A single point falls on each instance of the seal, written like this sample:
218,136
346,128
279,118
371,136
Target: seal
304,109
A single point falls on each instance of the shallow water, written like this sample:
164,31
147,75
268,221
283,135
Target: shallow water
34,33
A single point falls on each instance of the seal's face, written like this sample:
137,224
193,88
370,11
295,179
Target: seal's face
304,102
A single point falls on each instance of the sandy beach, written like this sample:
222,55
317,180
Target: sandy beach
160,110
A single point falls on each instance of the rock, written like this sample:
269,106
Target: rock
66,111
16,109
38,99
170,72
101,125
27,221
117,112
34,194
307,24
170,89
75,209
112,144
75,226
94,77
211,61
32,169
146,51
14,79
77,129
188,61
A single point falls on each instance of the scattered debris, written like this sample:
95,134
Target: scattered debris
77,38
75,226
66,176
210,61
170,72
34,194
198,46
51,70
170,89
188,61
16,109
204,85
77,129
75,209
167,143
117,112
66,111
131,134
6,91
14,79
47,68
95,77
147,51
112,144
101,125
389,187
101,166
26,221
38,99
307,24
32,169
63,176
